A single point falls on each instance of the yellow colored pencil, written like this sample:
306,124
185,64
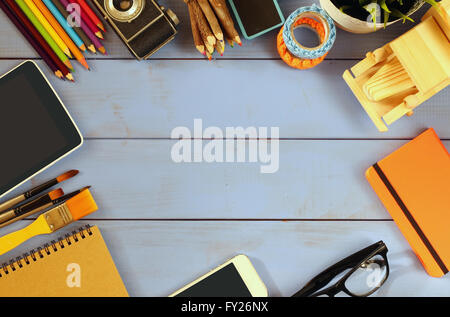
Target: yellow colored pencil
41,18
64,36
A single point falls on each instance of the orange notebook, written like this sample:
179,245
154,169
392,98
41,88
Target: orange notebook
78,265
414,185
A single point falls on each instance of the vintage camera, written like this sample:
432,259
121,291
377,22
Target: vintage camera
143,25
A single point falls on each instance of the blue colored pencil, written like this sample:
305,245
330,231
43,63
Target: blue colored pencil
70,31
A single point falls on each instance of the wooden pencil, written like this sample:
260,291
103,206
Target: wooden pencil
34,42
198,41
223,14
98,45
78,30
85,18
64,24
212,20
58,28
91,14
26,10
202,23
220,47
48,27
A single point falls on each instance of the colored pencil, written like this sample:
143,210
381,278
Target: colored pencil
85,18
64,24
91,14
63,57
37,36
48,27
58,28
78,30
98,45
34,42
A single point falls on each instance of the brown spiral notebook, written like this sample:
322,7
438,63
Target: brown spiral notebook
77,265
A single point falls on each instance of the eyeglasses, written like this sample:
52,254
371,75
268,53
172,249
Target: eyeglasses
364,273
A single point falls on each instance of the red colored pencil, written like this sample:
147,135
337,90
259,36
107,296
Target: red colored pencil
38,37
85,18
31,40
88,31
91,14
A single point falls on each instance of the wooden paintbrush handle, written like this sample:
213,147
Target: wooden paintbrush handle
14,239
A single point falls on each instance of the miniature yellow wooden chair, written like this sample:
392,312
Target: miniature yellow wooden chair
396,78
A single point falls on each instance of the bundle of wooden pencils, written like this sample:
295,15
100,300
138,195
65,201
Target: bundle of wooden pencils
45,24
208,19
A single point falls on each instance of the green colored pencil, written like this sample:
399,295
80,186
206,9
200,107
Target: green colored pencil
23,6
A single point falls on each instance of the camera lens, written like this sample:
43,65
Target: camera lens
122,5
124,10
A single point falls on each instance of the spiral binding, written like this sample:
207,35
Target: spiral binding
34,255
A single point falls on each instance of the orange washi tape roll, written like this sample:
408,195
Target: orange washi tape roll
304,57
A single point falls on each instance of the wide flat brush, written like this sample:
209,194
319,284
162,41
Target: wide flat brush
75,208
37,190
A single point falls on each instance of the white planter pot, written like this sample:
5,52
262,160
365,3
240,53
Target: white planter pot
353,25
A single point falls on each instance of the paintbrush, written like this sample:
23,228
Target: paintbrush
37,190
37,205
56,218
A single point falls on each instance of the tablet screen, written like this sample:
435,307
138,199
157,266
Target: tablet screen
257,15
35,128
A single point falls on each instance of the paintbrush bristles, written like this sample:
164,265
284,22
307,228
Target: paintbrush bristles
67,175
81,205
54,194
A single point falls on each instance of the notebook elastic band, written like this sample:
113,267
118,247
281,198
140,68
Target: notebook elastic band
410,218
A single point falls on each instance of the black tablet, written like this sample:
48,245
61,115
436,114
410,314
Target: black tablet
35,128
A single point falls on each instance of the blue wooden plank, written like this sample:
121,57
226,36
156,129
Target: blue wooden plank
137,179
157,258
126,99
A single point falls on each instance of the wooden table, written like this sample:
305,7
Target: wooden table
168,223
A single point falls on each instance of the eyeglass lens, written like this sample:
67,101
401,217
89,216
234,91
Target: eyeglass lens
369,276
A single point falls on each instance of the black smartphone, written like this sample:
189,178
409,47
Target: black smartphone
235,278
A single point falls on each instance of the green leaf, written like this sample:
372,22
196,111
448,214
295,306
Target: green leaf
384,6
399,14
386,18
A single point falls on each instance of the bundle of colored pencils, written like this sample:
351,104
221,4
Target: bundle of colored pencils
208,18
48,27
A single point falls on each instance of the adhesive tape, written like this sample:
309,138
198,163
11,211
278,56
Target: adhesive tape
295,54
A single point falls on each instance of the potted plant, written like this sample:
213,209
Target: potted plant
365,16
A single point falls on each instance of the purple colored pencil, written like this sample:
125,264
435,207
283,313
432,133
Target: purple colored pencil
30,39
87,30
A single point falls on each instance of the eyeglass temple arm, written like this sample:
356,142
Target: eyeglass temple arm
326,276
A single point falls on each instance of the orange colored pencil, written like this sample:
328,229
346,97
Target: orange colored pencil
91,14
58,28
